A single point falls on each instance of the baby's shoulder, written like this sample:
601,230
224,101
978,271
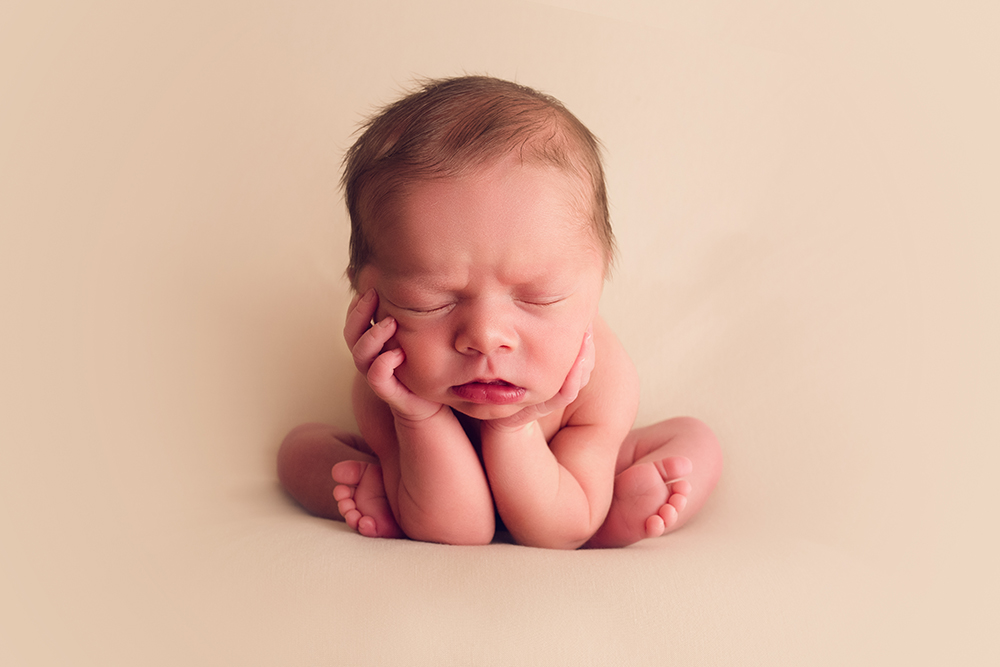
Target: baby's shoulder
612,360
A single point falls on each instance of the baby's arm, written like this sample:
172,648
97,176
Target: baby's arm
433,479
557,494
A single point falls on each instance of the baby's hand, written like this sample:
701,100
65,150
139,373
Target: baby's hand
367,343
576,380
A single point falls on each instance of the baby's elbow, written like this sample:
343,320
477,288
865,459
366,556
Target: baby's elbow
566,539
469,534
550,542
473,538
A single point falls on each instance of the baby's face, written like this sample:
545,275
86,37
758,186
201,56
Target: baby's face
493,279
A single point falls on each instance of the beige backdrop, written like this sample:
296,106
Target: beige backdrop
805,196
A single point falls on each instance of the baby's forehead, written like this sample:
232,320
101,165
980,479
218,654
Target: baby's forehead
575,191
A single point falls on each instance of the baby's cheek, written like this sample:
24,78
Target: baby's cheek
561,360
418,363
410,338
406,340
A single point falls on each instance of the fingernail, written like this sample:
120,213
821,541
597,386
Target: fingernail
369,295
386,322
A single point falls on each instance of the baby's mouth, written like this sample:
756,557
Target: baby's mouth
491,392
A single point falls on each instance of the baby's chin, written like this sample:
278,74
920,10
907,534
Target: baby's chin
487,412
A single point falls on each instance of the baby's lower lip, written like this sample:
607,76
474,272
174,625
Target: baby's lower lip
491,393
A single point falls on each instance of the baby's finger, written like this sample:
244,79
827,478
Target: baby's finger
383,381
369,345
359,316
588,357
354,301
382,374
579,374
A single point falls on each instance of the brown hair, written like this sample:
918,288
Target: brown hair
450,126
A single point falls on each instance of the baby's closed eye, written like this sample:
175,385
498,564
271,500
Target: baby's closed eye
540,300
420,306
429,310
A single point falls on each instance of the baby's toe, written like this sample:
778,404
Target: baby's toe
348,472
674,467
681,487
346,505
367,527
655,526
668,515
352,517
678,502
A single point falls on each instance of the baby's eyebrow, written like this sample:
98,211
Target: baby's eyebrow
423,282
436,276
419,279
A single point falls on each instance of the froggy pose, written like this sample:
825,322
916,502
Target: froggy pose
488,383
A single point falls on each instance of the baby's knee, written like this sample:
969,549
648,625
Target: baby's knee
313,435
290,452
707,443
305,446
300,433
692,427
296,439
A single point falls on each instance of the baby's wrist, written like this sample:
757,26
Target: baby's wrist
511,429
417,421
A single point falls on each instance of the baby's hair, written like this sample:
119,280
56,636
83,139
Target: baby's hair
450,127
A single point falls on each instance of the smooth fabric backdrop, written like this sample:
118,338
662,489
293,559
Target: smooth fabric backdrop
805,198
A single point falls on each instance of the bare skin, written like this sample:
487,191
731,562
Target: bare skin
657,487
646,503
488,384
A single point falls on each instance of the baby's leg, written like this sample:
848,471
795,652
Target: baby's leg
665,473
335,475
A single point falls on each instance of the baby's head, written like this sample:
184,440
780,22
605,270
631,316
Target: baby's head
479,217
455,127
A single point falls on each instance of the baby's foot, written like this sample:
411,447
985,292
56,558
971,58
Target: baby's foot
360,496
647,502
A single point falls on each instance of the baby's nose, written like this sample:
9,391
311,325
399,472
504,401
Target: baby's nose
484,330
